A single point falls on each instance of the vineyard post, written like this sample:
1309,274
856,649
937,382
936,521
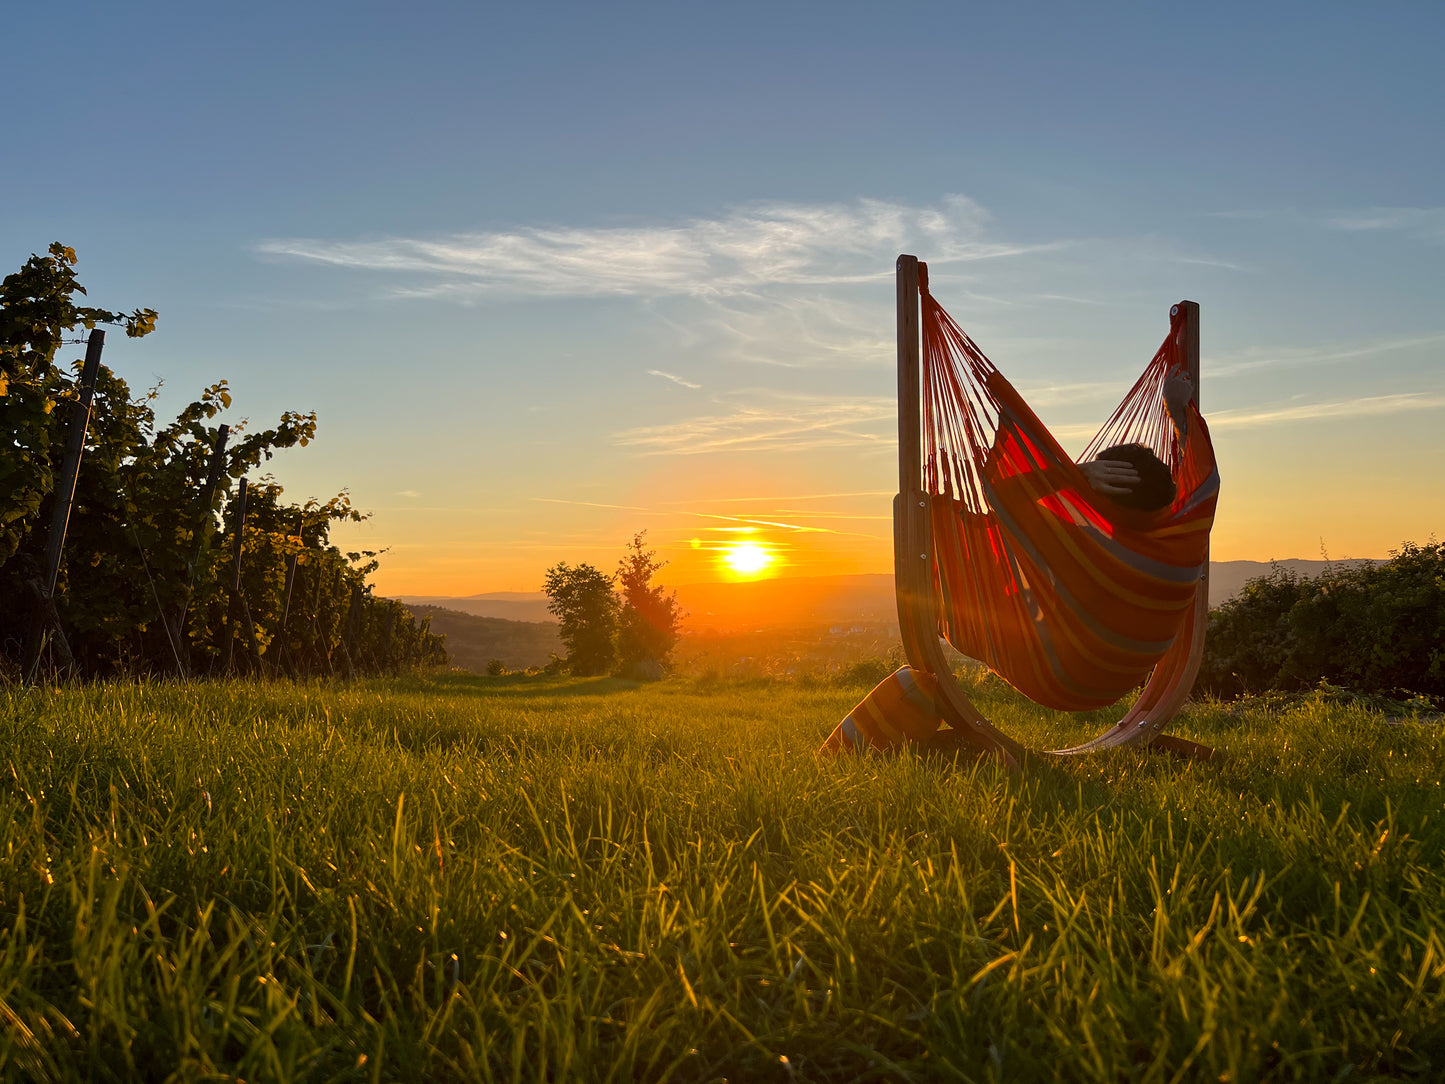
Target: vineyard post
386,636
320,640
203,539
290,586
231,607
47,620
338,582
251,636
352,615
74,448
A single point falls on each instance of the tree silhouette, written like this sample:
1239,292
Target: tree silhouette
648,624
586,608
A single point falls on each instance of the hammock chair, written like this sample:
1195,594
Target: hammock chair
1002,547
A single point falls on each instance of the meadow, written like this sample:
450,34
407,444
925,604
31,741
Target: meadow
451,878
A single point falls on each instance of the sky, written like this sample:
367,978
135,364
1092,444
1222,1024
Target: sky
555,274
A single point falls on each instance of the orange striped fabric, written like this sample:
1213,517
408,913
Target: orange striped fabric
1068,596
899,711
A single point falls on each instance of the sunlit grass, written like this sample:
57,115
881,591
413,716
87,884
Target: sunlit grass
470,878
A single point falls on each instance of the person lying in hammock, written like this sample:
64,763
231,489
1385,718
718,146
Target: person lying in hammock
1131,474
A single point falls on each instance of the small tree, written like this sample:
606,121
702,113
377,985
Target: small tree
583,601
648,624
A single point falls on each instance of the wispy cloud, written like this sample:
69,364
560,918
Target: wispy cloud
736,523
1270,357
794,329
749,247
679,381
1422,222
1043,395
1425,222
589,504
797,497
790,285
796,423
1371,406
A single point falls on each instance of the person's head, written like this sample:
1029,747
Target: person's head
1156,484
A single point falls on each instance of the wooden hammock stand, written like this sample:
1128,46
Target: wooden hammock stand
1169,684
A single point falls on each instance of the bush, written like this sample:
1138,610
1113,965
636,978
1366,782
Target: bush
1378,630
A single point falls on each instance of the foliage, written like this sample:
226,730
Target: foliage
37,308
650,618
502,879
1377,629
145,583
581,598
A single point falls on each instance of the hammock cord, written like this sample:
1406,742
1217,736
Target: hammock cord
961,410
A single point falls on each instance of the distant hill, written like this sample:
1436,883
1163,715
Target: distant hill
511,605
795,602
1227,578
474,641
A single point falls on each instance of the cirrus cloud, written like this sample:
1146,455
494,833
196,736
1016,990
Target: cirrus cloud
764,244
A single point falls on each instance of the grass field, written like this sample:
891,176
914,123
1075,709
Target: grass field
523,879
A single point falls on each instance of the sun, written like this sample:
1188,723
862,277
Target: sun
747,558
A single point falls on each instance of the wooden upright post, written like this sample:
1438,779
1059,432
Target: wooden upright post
1164,696
910,436
203,539
74,448
913,538
232,607
348,643
45,624
387,662
290,586
907,506
1189,347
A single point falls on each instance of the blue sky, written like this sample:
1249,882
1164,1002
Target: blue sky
554,275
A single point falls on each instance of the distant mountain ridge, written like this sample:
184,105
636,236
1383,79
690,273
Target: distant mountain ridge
508,605
811,600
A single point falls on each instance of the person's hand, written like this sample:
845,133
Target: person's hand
1111,477
1178,392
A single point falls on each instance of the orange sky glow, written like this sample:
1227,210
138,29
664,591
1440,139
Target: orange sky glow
1282,497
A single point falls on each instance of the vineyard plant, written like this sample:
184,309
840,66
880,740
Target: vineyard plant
147,583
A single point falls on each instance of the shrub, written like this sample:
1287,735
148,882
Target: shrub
1377,629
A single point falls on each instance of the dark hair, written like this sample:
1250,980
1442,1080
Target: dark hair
1156,484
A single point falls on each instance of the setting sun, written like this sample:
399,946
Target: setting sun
747,558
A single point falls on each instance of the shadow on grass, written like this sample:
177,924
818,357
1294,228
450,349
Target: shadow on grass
514,686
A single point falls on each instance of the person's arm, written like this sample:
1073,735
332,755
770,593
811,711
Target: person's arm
1178,393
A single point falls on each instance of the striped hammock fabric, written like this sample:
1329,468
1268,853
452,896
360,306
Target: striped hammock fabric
902,709
1069,596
